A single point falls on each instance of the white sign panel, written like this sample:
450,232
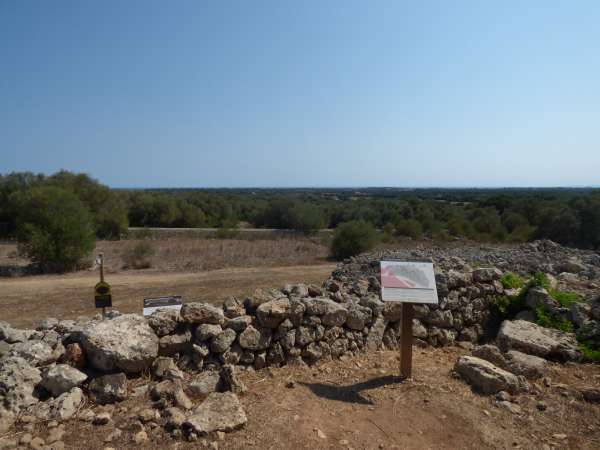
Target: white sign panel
171,302
408,281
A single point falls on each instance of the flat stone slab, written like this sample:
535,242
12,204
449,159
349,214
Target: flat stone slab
485,377
219,412
535,340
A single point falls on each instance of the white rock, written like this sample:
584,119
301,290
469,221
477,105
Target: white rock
219,412
486,377
205,383
126,342
62,378
66,405
18,380
533,339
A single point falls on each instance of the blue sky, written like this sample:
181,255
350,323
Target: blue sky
310,93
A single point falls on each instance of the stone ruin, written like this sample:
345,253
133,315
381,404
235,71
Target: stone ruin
195,354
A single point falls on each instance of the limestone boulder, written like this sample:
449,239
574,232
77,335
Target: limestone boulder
67,404
530,366
124,343
332,314
205,383
261,296
62,378
376,332
572,265
490,353
239,323
199,313
486,274
13,335
230,380
358,317
36,352
18,381
221,342
487,378
581,314
163,321
270,314
255,338
178,342
164,368
233,308
535,340
109,388
219,412
207,331
439,318
538,296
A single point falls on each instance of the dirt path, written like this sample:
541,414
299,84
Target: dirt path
24,301
358,403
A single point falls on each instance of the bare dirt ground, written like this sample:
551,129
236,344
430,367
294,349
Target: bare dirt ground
26,300
358,403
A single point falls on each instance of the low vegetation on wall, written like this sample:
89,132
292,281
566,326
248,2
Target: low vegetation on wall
539,300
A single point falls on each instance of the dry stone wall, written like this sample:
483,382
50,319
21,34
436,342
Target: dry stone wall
66,361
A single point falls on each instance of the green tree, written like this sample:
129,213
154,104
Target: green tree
9,184
106,206
54,227
352,238
305,217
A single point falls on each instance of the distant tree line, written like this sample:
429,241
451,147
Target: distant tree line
34,206
570,217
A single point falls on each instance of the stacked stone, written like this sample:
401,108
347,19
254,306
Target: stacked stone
298,324
465,295
295,325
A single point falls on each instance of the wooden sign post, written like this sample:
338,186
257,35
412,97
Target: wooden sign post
406,341
407,282
102,290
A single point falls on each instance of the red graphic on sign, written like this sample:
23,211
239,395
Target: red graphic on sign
390,279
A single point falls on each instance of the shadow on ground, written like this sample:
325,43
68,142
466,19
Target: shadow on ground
351,393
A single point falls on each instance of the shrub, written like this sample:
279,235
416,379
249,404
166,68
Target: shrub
540,279
508,307
138,255
590,351
54,227
545,319
409,227
387,232
512,281
589,346
352,238
566,299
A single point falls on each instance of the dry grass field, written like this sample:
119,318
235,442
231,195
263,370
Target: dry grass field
198,269
188,254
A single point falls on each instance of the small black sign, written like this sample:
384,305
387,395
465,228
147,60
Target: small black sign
103,295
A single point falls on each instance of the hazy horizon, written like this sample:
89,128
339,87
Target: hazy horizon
285,94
